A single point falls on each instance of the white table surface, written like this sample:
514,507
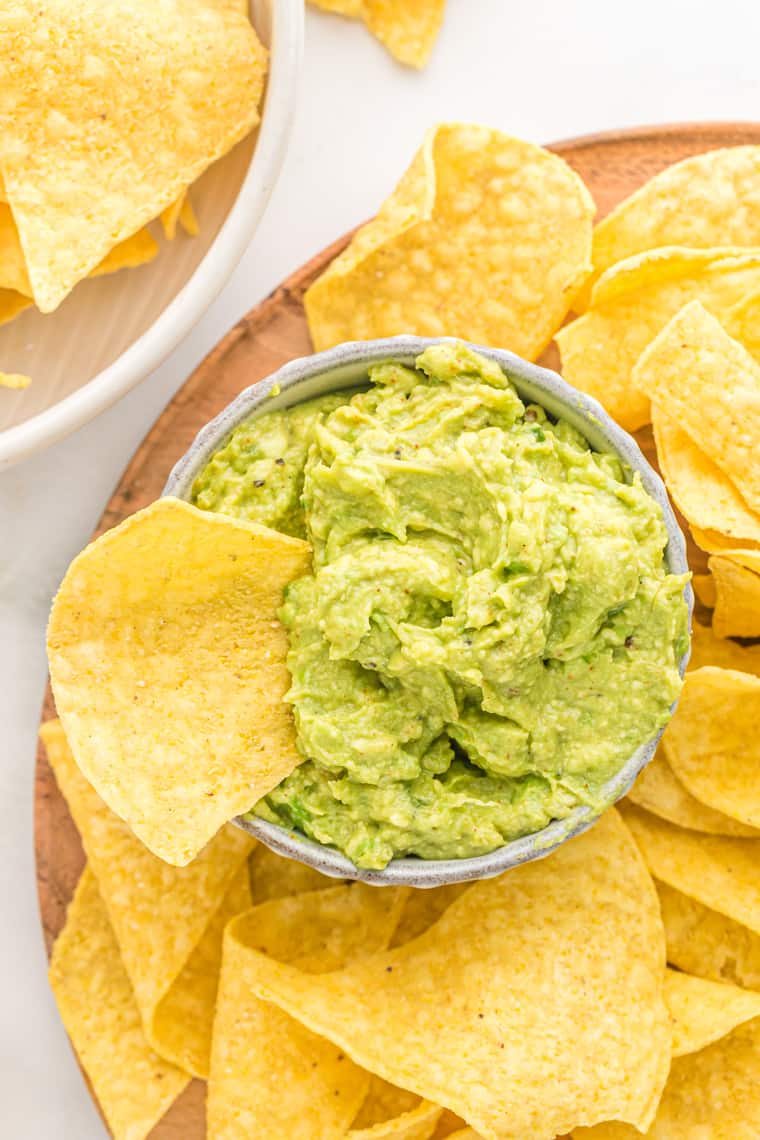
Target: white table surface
541,69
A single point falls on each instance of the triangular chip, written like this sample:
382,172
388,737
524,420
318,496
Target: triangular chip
168,666
711,743
408,30
260,1052
737,598
694,367
134,1086
11,304
459,1015
721,873
710,1095
632,303
107,125
486,237
705,942
707,649
703,493
391,1113
704,1011
659,790
168,921
13,274
708,200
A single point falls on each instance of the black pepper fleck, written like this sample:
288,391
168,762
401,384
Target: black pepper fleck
259,482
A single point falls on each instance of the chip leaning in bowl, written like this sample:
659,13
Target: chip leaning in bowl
489,630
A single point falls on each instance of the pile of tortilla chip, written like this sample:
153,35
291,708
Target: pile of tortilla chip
486,238
407,28
110,112
692,233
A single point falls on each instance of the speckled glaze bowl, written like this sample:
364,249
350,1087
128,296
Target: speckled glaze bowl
346,367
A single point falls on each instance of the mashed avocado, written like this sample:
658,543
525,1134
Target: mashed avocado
489,630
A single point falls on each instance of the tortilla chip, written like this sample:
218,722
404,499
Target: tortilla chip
128,254
711,385
704,1011
14,380
705,942
707,649
712,1094
737,605
711,744
721,873
708,200
706,497
258,1050
704,588
183,1020
659,790
391,1113
713,542
423,908
632,303
166,920
170,216
11,304
743,324
108,118
587,915
274,877
187,218
170,681
13,274
485,238
407,30
134,1086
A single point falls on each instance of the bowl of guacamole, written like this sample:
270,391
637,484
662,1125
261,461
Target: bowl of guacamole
494,631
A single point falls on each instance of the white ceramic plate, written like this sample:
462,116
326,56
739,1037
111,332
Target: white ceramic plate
113,331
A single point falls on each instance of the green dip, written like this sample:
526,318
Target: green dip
489,630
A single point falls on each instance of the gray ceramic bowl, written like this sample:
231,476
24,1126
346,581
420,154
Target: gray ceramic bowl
346,367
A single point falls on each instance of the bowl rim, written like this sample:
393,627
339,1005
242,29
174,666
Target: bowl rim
349,360
186,308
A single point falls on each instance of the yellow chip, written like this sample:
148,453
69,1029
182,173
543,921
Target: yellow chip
391,1113
704,588
128,254
485,238
705,942
423,908
273,877
711,744
743,324
168,922
134,1086
478,985
707,649
710,384
632,303
723,874
168,666
704,1011
706,496
187,218
13,274
14,380
11,304
737,604
408,30
709,200
714,1094
170,216
270,1076
107,118
659,790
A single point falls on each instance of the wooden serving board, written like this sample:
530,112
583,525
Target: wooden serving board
612,165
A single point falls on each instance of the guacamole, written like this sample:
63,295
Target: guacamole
489,630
